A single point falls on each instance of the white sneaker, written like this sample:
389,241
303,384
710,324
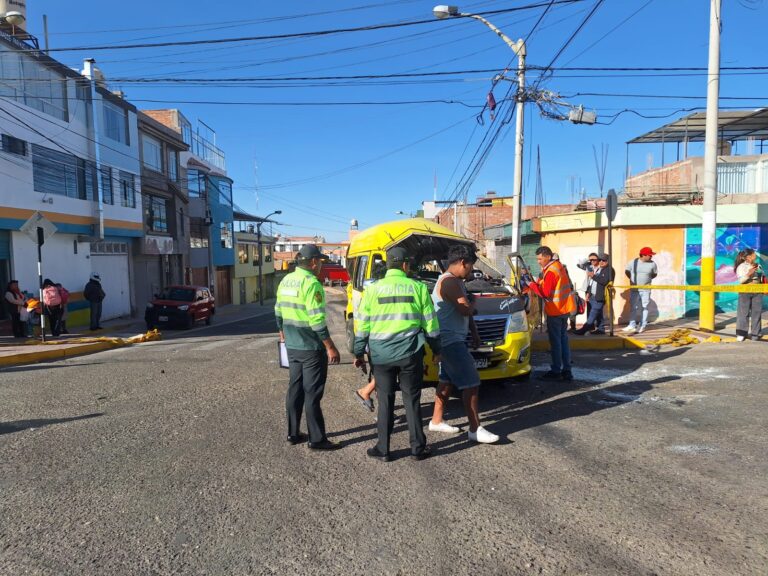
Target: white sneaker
629,328
483,436
641,329
443,427
739,338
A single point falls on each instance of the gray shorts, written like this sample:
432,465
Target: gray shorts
457,366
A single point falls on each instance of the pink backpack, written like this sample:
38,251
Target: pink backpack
51,296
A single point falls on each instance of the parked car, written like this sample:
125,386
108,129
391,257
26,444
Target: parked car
333,273
180,306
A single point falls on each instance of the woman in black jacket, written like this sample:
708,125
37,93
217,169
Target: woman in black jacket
601,277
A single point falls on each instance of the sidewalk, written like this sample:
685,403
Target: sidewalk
15,352
725,330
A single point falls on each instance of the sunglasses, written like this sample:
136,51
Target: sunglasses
594,260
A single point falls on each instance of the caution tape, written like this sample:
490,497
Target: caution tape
738,288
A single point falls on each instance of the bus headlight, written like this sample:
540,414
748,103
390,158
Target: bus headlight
518,322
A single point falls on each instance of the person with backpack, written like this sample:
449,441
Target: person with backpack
640,271
556,289
52,306
95,295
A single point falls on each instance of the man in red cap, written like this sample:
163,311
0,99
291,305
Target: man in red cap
640,271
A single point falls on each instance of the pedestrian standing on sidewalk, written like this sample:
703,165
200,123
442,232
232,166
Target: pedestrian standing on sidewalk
64,293
395,318
555,288
589,264
14,302
95,295
300,315
599,277
749,315
457,367
52,306
640,271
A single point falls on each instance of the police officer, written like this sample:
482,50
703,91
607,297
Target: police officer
300,314
393,319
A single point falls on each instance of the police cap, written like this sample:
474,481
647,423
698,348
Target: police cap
310,251
396,256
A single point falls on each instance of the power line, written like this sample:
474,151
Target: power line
291,34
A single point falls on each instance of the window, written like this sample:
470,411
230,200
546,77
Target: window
225,193
242,253
106,185
55,172
152,153
195,183
13,145
157,213
29,82
198,233
115,122
362,264
173,165
186,130
86,180
226,234
127,189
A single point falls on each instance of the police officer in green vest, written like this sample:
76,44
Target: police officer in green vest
394,318
300,314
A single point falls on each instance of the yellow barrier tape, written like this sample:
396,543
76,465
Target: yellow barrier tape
740,288
149,336
679,337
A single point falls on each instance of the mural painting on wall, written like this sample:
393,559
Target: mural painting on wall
730,240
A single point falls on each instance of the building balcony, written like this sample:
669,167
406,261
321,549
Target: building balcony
207,151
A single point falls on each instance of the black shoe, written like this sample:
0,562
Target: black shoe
374,453
597,332
581,331
566,375
324,445
550,375
297,439
423,455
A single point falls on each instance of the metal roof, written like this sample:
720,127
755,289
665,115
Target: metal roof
732,125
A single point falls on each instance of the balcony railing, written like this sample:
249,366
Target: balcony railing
742,177
207,151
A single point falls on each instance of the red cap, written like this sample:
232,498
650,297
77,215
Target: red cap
647,252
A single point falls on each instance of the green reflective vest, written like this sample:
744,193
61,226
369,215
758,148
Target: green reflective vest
393,319
300,311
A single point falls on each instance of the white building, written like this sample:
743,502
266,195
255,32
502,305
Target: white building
51,119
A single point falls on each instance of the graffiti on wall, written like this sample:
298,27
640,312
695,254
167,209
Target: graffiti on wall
730,240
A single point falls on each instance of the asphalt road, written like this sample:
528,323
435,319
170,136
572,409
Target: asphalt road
170,458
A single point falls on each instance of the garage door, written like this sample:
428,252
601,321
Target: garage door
113,269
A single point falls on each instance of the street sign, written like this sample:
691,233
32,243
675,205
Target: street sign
37,220
611,205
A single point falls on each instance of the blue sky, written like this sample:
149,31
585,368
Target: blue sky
323,165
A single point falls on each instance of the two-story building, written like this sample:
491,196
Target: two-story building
254,248
161,255
69,150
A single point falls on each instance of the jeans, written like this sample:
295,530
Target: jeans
560,350
95,315
639,300
749,315
595,317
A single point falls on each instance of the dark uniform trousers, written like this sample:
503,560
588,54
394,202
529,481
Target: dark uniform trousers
308,370
411,373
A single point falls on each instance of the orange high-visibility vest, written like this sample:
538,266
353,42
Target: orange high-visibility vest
562,300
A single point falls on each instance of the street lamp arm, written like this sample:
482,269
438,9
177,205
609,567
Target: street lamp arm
517,47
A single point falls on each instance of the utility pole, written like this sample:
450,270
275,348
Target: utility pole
261,255
709,212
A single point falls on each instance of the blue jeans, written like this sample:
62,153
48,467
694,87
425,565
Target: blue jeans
639,300
560,350
596,318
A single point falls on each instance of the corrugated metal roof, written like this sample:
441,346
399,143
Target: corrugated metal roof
732,125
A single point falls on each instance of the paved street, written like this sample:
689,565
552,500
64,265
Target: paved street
170,458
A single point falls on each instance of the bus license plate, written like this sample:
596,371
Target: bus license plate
163,318
481,363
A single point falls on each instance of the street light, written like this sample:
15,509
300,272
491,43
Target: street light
442,12
261,256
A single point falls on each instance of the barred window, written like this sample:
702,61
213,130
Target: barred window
108,196
127,189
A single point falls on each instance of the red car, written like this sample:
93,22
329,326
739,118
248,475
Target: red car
333,273
180,306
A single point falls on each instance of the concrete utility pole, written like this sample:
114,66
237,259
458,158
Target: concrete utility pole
709,213
261,255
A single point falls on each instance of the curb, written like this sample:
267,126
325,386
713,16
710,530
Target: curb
56,354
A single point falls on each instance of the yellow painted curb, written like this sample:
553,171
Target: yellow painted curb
597,343
55,354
